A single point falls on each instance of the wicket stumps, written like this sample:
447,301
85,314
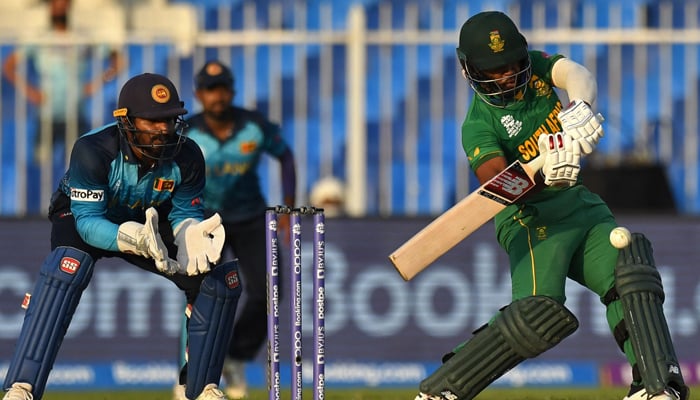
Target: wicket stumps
273,300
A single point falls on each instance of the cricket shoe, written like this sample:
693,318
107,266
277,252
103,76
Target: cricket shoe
641,394
179,392
19,391
234,375
211,392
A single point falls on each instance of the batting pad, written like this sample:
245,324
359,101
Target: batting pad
211,327
638,284
524,329
62,279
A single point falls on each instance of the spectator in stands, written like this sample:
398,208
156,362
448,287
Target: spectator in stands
329,193
233,141
61,84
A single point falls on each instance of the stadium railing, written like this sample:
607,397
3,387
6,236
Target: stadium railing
371,93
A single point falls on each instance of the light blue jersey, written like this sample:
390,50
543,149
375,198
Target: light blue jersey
106,187
233,187
59,68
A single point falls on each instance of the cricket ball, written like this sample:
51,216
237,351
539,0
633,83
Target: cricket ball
620,237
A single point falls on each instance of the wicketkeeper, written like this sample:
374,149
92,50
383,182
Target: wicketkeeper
134,191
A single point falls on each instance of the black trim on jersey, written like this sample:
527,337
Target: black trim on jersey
94,153
190,159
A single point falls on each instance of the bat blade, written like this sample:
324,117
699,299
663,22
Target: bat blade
465,217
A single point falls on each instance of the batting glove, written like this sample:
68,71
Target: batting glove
579,122
562,157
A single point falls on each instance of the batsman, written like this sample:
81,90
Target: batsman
133,190
560,231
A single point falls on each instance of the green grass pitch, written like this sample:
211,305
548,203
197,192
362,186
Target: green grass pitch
615,393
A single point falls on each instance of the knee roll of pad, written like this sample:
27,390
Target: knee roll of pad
636,271
535,324
641,292
63,277
211,326
524,329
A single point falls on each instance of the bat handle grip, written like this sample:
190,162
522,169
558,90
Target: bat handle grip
536,164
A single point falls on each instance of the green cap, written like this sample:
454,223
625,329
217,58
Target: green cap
490,40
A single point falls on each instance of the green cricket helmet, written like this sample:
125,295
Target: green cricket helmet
489,42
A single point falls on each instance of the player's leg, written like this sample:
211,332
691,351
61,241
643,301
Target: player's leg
538,276
638,285
631,273
209,330
594,268
250,329
62,278
191,286
179,386
522,330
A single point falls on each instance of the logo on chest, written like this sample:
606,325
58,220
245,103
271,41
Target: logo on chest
512,126
248,147
163,185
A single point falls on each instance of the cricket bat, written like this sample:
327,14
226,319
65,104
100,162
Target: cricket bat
465,217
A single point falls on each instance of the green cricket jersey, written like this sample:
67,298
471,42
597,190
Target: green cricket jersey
512,132
558,233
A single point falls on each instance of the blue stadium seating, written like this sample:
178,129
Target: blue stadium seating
451,122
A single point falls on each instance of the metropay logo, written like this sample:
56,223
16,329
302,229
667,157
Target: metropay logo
87,195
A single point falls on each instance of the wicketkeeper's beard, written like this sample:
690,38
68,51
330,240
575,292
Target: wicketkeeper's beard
219,111
59,19
160,149
153,151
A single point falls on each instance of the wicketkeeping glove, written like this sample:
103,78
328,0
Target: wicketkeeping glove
579,122
562,157
199,244
144,240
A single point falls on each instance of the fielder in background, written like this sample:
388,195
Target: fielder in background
560,231
133,190
233,141
63,80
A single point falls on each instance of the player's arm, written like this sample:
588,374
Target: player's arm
483,150
288,176
9,71
115,64
490,168
575,79
577,119
89,183
277,147
188,196
199,242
